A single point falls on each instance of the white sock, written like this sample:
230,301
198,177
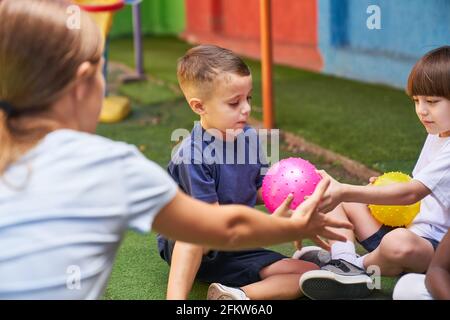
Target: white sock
344,250
359,262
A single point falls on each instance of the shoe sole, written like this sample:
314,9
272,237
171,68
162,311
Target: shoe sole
215,292
299,253
326,285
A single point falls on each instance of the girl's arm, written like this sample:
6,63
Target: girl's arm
394,194
437,279
233,227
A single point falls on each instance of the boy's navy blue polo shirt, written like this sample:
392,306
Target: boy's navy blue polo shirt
231,172
212,170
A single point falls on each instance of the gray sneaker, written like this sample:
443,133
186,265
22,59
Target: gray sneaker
338,279
313,254
217,291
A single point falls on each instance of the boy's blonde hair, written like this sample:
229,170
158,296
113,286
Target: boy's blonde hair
431,75
39,59
200,66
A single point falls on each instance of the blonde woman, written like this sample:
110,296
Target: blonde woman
67,196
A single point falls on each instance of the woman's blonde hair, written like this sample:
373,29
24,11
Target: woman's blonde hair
39,59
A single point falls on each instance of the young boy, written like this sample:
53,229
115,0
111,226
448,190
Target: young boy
218,87
393,250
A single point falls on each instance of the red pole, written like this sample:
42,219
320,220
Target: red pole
266,63
217,16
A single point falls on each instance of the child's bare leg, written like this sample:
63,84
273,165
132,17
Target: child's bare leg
364,226
339,213
279,280
363,222
287,266
277,287
401,251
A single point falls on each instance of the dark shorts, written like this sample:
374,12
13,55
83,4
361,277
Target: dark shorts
235,269
372,242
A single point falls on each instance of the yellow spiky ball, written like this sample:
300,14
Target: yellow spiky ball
395,216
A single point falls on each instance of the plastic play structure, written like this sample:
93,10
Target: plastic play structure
115,108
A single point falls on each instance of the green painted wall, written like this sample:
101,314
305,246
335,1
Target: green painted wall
158,17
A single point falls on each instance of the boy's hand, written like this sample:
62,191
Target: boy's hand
332,197
372,180
315,223
298,245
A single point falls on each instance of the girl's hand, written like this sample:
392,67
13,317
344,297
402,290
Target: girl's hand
372,180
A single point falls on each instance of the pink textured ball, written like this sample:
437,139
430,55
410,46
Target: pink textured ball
292,175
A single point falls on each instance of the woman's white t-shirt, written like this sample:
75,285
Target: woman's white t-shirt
433,170
64,208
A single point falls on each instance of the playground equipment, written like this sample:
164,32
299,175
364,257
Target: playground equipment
138,49
102,11
115,108
267,63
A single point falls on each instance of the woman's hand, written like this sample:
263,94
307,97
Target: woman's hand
317,225
283,210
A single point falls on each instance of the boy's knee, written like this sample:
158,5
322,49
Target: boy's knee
398,245
353,210
354,206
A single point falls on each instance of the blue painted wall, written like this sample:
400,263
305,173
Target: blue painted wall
409,28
